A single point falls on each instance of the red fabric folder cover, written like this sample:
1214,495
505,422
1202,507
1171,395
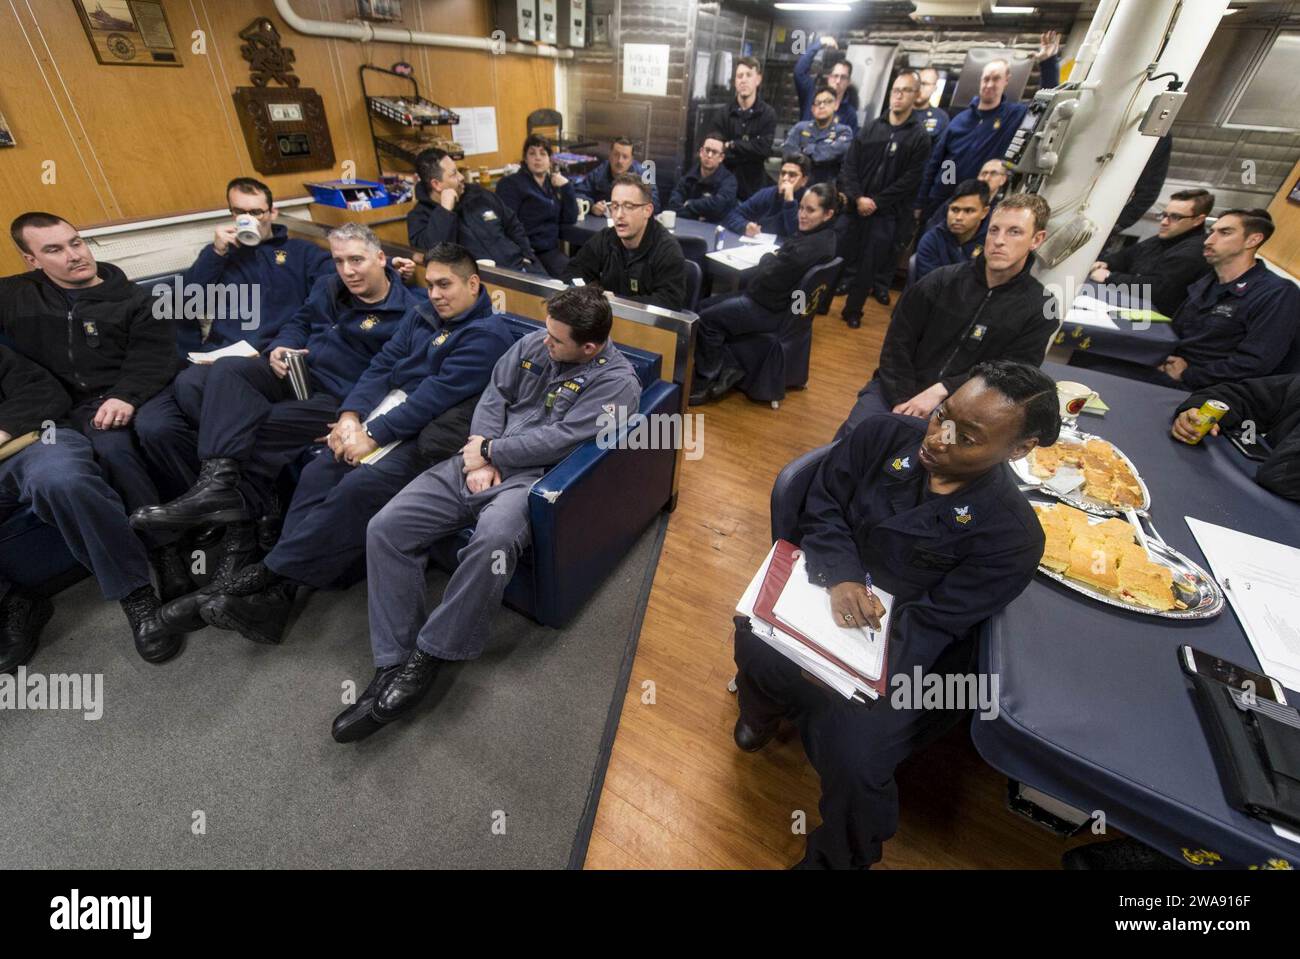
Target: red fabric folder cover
778,572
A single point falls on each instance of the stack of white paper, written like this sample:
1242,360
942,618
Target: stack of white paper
1259,578
761,239
242,348
806,607
394,399
1090,311
742,257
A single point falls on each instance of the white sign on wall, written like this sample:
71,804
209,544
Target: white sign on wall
645,68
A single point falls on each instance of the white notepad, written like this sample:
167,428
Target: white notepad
394,399
242,348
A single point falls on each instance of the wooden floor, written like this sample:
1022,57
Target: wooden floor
678,794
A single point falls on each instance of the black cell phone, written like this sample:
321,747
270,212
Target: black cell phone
1257,452
1232,675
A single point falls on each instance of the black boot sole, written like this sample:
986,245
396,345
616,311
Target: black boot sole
215,614
146,523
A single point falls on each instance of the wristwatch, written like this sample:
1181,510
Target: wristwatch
366,427
484,449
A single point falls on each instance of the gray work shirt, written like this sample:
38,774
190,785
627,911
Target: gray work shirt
536,411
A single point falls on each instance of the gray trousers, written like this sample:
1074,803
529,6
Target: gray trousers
435,504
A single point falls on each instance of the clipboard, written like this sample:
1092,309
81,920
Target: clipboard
784,555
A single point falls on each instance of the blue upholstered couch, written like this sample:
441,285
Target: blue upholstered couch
586,513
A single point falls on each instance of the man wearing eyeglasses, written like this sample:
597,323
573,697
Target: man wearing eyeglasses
283,270
1160,268
823,140
636,258
709,190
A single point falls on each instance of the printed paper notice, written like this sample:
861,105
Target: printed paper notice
477,130
645,68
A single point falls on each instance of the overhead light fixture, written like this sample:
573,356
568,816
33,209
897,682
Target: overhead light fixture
814,7
1019,10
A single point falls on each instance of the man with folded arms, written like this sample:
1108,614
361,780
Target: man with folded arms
251,425
991,308
441,357
99,334
56,476
548,395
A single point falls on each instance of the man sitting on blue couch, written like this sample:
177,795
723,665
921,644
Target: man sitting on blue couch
56,477
548,395
441,358
106,344
251,425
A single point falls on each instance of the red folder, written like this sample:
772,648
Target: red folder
778,572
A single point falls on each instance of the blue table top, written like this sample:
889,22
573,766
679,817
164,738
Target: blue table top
1139,341
1094,708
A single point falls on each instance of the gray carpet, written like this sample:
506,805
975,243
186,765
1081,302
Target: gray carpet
241,732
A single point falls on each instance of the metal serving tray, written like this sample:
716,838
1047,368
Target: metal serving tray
1076,497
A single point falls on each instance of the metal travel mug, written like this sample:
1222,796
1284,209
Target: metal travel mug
299,379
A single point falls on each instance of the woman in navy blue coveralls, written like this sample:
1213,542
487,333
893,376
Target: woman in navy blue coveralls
930,511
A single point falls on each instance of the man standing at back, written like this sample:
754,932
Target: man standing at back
879,179
838,72
984,130
749,126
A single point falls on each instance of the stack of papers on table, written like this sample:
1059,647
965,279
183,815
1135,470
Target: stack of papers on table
742,257
1259,579
761,239
242,348
794,617
1090,311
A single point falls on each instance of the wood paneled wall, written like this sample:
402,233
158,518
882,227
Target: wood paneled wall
138,142
1283,247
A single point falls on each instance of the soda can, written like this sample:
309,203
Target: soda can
1211,412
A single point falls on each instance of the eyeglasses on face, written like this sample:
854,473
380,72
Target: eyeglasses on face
259,213
621,207
1174,217
710,152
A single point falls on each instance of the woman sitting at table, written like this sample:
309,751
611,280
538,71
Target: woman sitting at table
544,201
767,302
929,512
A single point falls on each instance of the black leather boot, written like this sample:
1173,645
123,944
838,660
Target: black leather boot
153,640
23,614
214,498
729,377
407,686
225,559
753,738
258,616
170,571
355,722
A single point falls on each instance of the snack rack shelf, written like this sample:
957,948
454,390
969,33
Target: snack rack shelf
414,114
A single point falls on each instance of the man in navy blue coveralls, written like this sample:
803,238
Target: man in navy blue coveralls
441,358
251,425
930,512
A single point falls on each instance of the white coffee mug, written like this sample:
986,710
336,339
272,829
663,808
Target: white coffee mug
1073,397
667,219
584,205
247,232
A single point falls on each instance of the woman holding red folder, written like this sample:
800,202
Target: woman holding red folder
930,512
